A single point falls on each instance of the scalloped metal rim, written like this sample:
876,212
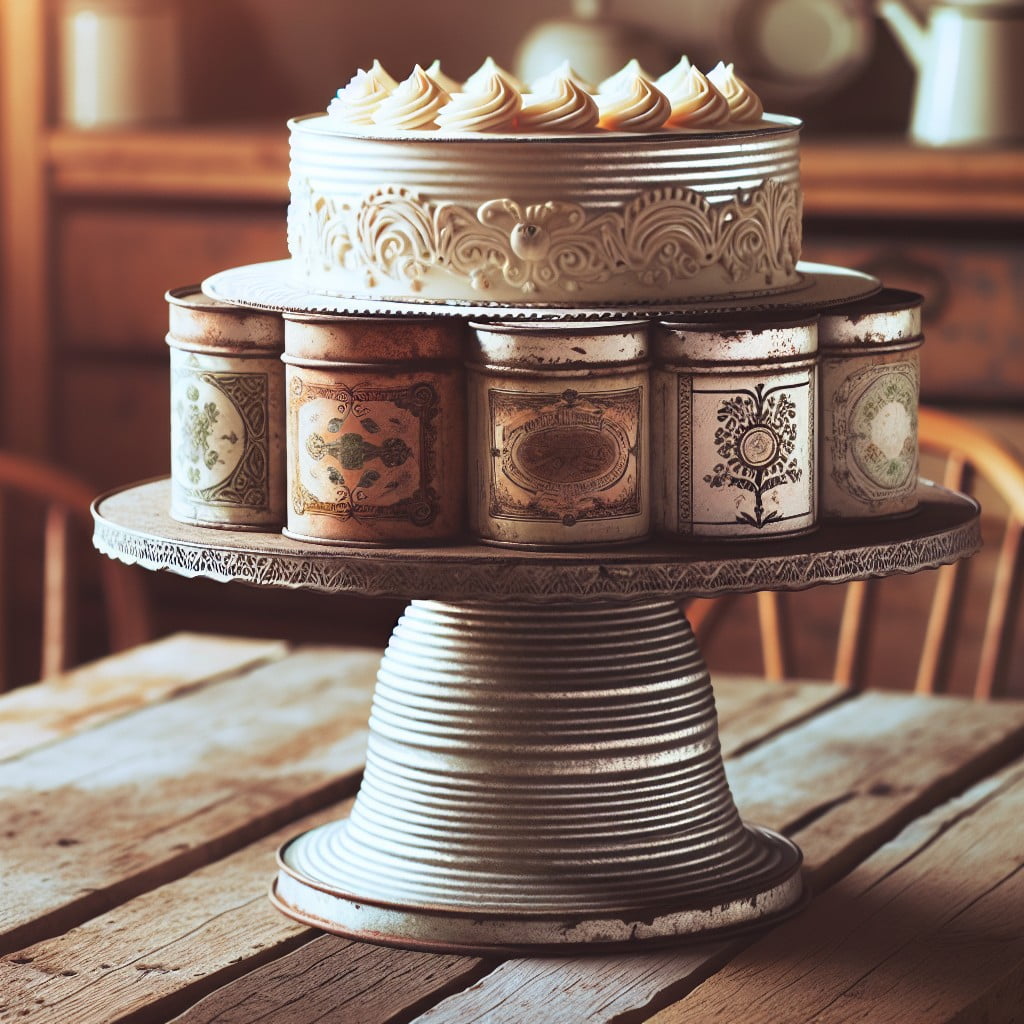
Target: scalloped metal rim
269,286
133,525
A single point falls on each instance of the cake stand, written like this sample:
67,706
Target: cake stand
543,769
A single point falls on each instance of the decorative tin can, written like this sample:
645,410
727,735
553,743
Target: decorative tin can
376,429
870,385
734,409
227,413
558,432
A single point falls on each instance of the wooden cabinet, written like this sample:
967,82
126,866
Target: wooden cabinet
96,226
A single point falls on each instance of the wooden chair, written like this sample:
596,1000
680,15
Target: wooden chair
973,457
26,487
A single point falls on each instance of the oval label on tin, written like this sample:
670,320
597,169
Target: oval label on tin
567,449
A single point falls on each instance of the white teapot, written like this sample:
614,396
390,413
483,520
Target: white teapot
970,70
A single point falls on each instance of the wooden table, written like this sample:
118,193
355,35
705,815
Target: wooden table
143,798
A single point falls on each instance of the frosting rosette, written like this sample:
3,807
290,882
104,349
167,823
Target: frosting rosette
637,107
357,102
544,84
674,78
623,78
413,105
450,85
561,105
482,75
696,103
744,106
491,106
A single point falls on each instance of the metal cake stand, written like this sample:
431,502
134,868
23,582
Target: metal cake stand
543,767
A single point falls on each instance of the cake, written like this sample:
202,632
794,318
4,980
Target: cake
638,191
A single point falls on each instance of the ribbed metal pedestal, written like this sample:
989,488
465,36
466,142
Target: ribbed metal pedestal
539,776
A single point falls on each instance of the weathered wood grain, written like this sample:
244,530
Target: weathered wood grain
841,784
144,798
221,927
927,929
86,696
157,954
751,711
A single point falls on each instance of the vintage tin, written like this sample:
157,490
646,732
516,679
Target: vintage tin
376,429
870,386
734,411
558,432
227,413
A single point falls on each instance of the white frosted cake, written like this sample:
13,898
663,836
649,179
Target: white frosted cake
637,191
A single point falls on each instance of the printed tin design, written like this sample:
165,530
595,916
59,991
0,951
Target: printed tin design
736,404
227,431
870,373
560,452
373,448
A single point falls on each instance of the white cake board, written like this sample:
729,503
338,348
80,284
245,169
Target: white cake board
270,286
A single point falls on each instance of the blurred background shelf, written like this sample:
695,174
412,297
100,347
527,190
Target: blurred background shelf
95,225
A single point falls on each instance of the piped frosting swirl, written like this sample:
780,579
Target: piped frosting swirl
413,105
696,103
450,85
560,105
623,78
490,106
637,107
357,102
744,106
482,75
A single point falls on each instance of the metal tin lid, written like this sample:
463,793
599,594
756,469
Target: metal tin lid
316,338
198,322
891,316
730,340
563,344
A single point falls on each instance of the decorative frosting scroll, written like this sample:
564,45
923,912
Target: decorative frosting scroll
662,235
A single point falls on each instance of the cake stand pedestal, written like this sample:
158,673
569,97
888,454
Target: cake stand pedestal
543,767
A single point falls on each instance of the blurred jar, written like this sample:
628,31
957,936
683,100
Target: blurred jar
120,62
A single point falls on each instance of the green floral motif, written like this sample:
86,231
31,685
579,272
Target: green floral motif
197,423
756,438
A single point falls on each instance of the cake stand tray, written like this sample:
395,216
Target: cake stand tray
271,286
543,769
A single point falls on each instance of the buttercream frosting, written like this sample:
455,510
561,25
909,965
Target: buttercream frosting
450,85
674,77
483,73
744,106
413,105
696,103
637,107
560,105
623,78
564,70
491,105
357,102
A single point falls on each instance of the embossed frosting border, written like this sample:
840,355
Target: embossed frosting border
552,250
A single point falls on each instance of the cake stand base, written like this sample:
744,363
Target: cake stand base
540,777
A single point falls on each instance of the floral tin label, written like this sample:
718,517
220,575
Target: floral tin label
219,436
746,455
872,440
364,451
565,458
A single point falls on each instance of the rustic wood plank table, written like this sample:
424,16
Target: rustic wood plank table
143,798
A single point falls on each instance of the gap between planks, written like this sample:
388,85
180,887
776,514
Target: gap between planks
91,694
222,925
142,799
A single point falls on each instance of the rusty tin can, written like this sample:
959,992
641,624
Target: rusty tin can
734,411
870,387
558,432
227,413
376,429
